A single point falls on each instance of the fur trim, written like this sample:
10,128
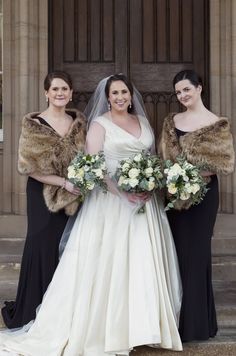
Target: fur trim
211,146
44,151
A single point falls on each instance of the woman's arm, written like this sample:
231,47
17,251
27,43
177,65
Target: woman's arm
56,180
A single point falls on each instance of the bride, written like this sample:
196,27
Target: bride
117,285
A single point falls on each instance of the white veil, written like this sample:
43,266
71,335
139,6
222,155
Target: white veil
98,103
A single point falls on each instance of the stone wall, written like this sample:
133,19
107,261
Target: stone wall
223,80
25,65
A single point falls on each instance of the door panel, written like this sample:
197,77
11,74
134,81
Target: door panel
148,40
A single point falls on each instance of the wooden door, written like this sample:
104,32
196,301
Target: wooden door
148,40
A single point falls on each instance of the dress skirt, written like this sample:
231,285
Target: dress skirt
40,257
192,231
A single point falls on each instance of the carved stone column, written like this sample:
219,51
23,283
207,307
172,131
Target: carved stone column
223,80
25,65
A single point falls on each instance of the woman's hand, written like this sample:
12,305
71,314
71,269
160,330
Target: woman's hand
206,173
71,188
138,197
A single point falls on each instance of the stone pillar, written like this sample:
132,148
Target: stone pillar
223,80
25,56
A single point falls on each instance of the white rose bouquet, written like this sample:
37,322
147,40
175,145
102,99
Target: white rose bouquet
140,173
87,171
185,186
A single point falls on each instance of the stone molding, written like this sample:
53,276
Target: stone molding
25,64
223,80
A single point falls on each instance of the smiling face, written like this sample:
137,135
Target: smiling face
119,96
187,93
59,93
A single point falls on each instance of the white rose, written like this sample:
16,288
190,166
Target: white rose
188,188
134,172
98,172
176,169
138,157
80,173
184,196
151,185
172,188
148,171
133,182
90,185
125,167
71,172
195,188
121,180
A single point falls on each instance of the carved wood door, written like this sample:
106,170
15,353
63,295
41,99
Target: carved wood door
148,40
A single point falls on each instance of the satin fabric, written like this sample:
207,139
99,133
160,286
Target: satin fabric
117,285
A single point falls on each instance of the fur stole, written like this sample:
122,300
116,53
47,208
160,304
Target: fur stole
44,151
211,146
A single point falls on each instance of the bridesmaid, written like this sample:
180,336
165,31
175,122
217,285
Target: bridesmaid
48,142
203,138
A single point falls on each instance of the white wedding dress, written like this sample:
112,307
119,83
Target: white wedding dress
117,285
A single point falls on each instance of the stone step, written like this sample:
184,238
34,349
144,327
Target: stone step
224,268
223,346
225,299
11,249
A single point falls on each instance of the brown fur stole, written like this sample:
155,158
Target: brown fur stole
44,151
211,146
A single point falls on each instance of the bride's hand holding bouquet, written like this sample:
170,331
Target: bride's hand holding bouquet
139,176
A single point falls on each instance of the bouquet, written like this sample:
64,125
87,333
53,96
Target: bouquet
140,173
87,171
184,184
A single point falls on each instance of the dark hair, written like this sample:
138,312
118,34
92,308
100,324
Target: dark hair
124,79
57,74
189,74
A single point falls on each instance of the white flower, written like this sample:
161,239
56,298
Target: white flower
133,182
134,172
98,172
71,172
90,185
151,185
125,167
148,171
86,168
80,173
184,196
188,188
195,188
172,189
121,180
138,157
185,178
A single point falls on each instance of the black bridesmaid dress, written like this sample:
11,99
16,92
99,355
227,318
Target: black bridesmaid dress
40,256
192,231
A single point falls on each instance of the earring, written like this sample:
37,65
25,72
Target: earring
46,99
109,106
130,105
70,99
